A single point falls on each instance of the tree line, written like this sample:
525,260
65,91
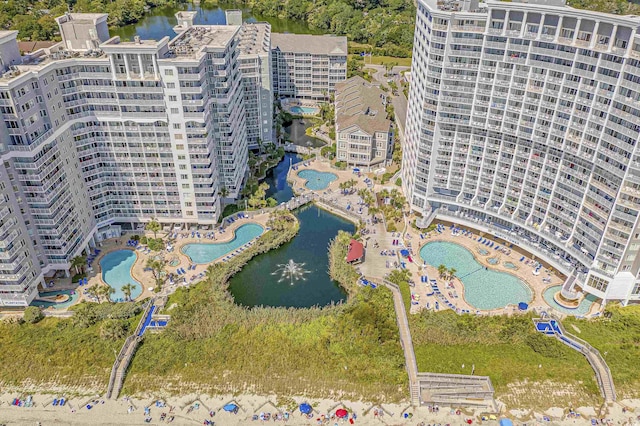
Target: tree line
385,25
36,21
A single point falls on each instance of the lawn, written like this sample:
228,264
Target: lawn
618,340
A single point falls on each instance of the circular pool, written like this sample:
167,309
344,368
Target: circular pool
484,289
582,309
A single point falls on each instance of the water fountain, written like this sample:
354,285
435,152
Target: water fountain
291,271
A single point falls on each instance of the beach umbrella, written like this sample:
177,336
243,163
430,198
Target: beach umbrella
355,169
342,413
404,253
230,407
305,408
523,306
506,422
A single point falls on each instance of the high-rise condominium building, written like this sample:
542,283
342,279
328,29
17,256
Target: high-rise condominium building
523,121
99,133
308,66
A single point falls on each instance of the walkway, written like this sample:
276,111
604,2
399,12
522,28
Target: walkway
406,342
554,328
119,369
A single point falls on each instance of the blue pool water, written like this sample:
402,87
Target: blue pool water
315,180
510,265
582,309
208,252
116,272
73,296
483,289
300,110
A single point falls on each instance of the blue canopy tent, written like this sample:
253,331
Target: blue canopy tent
506,422
523,306
404,253
230,408
305,408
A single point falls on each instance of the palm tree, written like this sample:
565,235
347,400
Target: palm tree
451,272
442,271
127,289
107,291
78,262
157,270
94,292
153,226
224,192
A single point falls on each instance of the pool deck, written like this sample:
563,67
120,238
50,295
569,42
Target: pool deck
145,277
523,272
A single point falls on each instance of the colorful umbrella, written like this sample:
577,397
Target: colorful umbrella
342,413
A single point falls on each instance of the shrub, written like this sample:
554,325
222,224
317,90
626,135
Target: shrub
32,314
113,329
136,237
342,165
143,240
155,244
398,182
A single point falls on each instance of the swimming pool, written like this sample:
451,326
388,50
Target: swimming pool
493,260
73,297
302,110
484,289
208,252
315,180
509,265
483,251
116,272
582,309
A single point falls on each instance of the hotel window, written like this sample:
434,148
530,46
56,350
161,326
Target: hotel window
598,283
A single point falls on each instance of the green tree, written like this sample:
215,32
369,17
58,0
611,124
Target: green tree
442,271
78,262
157,270
32,314
106,291
127,289
154,226
113,329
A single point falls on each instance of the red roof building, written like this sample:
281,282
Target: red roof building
356,252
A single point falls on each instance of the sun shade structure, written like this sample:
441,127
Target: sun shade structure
305,408
342,413
356,252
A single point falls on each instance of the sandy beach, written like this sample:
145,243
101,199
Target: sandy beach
111,412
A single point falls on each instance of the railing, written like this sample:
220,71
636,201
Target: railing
124,357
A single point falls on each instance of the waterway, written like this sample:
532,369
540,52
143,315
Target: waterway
159,22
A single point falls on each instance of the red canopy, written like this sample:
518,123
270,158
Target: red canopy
342,413
356,251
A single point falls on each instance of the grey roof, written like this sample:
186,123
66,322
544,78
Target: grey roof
306,43
360,103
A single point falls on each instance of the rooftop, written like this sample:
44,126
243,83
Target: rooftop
195,38
83,17
306,43
255,38
360,103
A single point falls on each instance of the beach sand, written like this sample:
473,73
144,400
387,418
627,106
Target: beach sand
112,412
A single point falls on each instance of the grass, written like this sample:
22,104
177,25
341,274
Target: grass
618,340
212,345
507,349
382,60
57,351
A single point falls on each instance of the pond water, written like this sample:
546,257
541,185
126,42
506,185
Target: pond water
160,22
266,280
279,189
296,133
